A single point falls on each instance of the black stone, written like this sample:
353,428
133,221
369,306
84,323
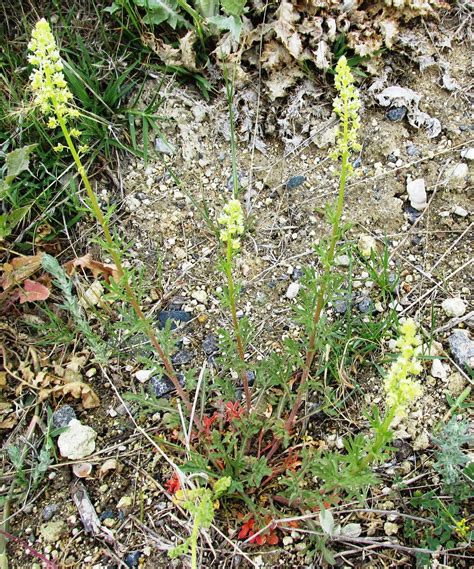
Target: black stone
296,274
294,182
412,214
106,515
176,317
210,345
162,386
63,416
182,357
396,113
132,558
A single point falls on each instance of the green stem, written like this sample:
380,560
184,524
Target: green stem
120,270
194,540
235,323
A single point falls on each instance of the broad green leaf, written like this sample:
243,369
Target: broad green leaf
233,7
231,23
17,161
221,486
8,221
326,521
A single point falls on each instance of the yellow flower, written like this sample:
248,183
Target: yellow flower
400,388
346,106
462,528
52,94
232,221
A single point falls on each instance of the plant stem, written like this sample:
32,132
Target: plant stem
235,323
120,270
321,299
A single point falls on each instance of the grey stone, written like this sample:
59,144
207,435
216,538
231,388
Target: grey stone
294,182
210,345
132,559
412,150
396,113
364,305
51,532
182,357
296,274
175,316
49,511
63,416
162,386
462,348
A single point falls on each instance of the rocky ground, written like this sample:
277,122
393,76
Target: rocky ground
411,192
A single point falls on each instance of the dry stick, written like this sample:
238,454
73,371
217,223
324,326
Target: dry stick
121,272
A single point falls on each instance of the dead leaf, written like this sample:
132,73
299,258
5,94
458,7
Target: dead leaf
33,291
92,296
107,270
285,28
19,269
76,389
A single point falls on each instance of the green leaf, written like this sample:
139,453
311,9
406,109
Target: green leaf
159,11
231,23
233,7
16,162
221,486
207,8
326,521
259,470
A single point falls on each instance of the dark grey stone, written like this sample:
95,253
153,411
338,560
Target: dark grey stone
340,306
106,515
132,559
396,113
364,305
412,214
162,386
462,348
49,511
251,377
182,357
176,317
296,274
210,345
63,416
294,182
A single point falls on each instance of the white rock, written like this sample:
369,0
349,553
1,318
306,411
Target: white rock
460,211
467,153
366,245
78,441
143,375
417,193
342,260
292,290
439,370
200,296
454,307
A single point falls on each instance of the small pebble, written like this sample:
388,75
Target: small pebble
63,416
132,559
462,348
342,260
396,113
49,511
292,290
467,153
294,182
454,307
176,317
439,370
460,211
417,194
364,305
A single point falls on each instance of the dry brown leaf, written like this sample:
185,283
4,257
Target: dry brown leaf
282,80
76,389
33,291
19,269
107,270
285,29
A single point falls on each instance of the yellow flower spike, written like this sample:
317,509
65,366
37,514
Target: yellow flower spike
346,106
52,94
401,389
232,221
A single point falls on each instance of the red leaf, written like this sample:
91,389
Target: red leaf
33,291
272,539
